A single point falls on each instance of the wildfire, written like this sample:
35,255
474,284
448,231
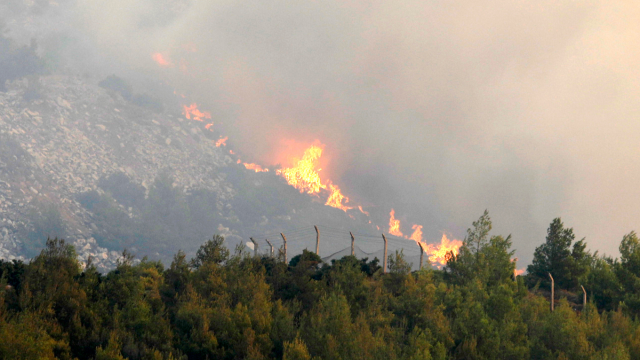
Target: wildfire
364,212
160,60
394,225
208,126
192,111
254,167
438,253
336,197
519,271
304,177
222,141
417,234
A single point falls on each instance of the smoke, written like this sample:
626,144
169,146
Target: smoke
438,109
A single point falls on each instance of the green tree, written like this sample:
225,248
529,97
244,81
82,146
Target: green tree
568,267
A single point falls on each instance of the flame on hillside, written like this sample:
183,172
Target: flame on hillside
364,212
208,126
254,167
222,142
160,60
304,177
439,253
394,224
417,234
192,112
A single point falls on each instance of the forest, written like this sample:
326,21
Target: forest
229,304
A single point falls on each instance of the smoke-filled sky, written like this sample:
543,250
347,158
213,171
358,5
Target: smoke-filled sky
438,109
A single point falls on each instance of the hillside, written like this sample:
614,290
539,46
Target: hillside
80,161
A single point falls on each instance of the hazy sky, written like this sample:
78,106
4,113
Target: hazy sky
438,109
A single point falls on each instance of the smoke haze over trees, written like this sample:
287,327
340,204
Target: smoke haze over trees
231,305
439,110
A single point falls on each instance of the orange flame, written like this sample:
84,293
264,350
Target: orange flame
394,225
222,141
254,167
304,177
192,111
439,253
417,234
208,126
336,197
517,272
364,212
160,60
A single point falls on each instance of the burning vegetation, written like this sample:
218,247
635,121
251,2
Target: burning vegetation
304,176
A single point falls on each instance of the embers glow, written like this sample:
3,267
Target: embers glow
160,60
208,126
254,167
222,142
394,224
192,112
304,177
364,212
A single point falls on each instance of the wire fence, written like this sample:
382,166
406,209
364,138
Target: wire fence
367,244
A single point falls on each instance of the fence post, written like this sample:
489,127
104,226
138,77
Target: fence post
255,247
317,240
285,247
552,290
421,255
270,245
353,251
384,261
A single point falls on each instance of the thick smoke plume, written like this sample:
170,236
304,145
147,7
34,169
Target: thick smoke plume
437,109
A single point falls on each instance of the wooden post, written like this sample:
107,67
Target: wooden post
270,245
552,290
255,247
584,298
353,250
384,261
421,255
285,247
317,240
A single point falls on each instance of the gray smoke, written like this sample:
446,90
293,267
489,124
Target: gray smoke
438,109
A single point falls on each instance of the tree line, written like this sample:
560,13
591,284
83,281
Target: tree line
225,304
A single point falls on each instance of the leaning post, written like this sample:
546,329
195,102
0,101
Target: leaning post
584,298
285,247
384,261
353,250
255,247
552,290
421,255
317,240
270,245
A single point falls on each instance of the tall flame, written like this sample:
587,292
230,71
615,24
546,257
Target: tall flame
394,225
417,234
335,198
304,177
192,111
438,253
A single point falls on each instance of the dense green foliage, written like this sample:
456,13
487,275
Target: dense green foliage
230,305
